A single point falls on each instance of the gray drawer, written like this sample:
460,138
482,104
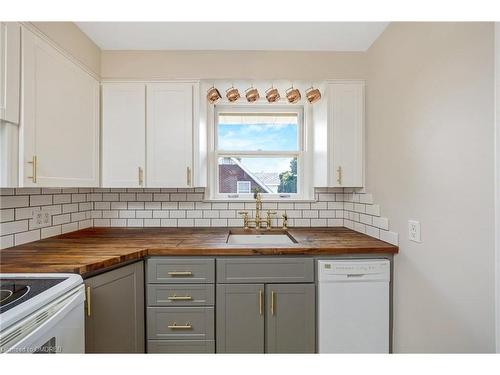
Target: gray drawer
180,323
181,346
180,270
180,294
265,270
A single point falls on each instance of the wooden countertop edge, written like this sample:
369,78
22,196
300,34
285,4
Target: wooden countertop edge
89,267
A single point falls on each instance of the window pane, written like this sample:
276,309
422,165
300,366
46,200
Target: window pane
269,175
258,132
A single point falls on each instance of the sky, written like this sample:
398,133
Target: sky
254,137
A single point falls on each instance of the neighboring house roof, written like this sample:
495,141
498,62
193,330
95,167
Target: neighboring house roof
268,178
254,176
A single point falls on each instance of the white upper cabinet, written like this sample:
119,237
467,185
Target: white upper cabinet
339,135
10,71
169,128
346,134
123,134
60,119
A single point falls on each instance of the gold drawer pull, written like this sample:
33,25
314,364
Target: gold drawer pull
186,326
180,298
88,301
33,163
180,273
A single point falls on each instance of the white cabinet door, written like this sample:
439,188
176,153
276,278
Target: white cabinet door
346,134
10,71
123,134
169,134
60,118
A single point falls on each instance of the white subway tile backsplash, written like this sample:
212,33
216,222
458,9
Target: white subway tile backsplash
152,222
40,200
7,215
69,227
14,201
11,227
62,198
6,241
152,205
185,222
381,222
77,208
388,236
210,214
177,214
169,205
134,222
68,208
25,237
61,219
160,214
201,222
50,231
144,214
168,222
119,205
136,205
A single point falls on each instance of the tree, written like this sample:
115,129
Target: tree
288,179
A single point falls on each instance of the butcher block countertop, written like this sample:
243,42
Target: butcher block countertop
92,250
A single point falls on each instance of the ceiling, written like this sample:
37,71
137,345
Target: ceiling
249,36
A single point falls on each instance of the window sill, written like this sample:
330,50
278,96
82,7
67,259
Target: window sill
238,200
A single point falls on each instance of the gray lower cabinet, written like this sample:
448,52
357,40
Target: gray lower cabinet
114,320
180,305
290,318
271,318
240,318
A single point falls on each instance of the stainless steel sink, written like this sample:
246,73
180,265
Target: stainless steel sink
260,239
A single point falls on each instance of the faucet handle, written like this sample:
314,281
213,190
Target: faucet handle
285,220
245,218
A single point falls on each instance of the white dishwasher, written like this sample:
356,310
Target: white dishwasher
353,306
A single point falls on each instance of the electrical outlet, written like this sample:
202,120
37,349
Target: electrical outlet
414,230
41,218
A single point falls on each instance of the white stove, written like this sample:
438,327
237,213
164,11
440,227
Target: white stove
41,313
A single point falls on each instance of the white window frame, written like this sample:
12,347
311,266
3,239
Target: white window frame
304,177
247,183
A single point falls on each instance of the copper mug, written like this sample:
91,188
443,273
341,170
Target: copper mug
293,95
313,95
272,95
232,94
213,95
252,94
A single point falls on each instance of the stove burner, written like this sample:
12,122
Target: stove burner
5,294
13,293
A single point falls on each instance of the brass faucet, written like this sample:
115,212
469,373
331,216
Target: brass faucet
258,221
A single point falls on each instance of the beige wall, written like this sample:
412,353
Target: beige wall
430,157
231,65
70,38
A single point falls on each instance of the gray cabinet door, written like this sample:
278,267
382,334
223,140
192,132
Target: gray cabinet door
290,314
115,322
240,318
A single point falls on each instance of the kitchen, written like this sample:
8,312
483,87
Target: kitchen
166,192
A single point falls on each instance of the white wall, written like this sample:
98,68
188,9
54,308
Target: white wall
430,153
72,40
232,65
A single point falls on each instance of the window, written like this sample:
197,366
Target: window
243,187
257,148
